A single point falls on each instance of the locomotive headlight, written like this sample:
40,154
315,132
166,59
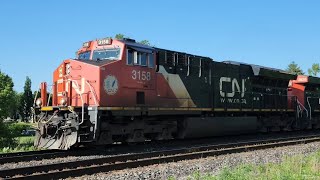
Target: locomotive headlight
39,102
63,101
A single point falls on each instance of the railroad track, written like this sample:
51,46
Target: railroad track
40,155
124,149
118,162
28,156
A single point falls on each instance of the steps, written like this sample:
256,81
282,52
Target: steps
84,133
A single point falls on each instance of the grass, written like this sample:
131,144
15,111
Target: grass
24,143
291,168
25,140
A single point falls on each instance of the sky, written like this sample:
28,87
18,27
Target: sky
36,36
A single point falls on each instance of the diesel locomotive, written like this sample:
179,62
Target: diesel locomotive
124,91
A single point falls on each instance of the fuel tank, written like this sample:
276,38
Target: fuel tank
216,126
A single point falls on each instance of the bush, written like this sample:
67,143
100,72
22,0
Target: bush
17,128
10,131
7,138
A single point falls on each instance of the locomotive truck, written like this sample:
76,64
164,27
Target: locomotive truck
124,91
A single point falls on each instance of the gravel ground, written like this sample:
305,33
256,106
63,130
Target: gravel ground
212,165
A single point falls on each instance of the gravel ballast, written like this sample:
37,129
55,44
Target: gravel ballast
121,150
211,165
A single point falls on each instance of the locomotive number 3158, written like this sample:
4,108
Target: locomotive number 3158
141,75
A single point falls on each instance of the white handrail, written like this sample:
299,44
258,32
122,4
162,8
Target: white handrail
303,107
50,94
35,97
93,92
79,93
82,114
49,99
299,111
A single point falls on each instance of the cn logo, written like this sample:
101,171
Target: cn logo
235,87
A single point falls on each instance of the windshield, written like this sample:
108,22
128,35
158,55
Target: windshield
84,55
109,54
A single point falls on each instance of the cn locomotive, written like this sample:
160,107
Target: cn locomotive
124,91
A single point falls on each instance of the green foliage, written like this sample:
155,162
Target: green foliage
26,102
6,95
120,36
20,104
16,128
291,168
9,132
145,42
36,93
19,148
23,144
314,70
6,137
25,140
294,69
14,105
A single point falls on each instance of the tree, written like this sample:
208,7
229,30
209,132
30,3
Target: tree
6,102
294,69
26,100
119,36
19,105
14,106
6,95
145,42
314,70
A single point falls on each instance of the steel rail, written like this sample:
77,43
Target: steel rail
106,164
25,153
43,154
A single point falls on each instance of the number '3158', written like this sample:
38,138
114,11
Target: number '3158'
141,75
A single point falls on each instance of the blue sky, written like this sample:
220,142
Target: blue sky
37,35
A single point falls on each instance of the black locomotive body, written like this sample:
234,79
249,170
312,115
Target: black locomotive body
237,97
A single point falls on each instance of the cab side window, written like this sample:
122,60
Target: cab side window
137,58
129,56
151,60
143,57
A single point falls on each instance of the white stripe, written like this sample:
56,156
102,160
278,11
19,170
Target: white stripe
178,88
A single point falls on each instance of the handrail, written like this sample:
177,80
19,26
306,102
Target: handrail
49,98
50,94
93,92
300,104
82,114
35,97
81,93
